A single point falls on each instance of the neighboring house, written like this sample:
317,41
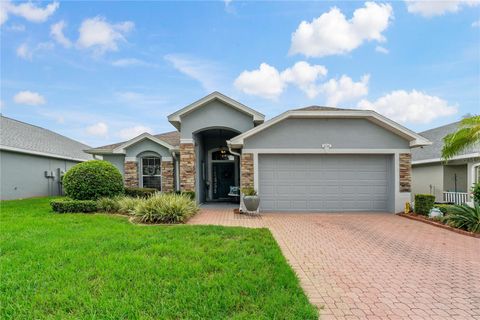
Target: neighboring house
311,159
449,181
32,159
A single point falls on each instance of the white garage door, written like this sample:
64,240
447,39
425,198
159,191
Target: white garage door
325,182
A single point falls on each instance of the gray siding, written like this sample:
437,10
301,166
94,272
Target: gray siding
214,115
428,179
22,175
449,173
118,160
147,145
312,133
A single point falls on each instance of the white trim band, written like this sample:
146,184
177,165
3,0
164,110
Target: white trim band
325,151
44,154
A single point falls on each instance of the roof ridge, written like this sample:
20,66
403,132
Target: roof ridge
442,126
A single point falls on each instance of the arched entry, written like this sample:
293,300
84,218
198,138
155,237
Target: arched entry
217,169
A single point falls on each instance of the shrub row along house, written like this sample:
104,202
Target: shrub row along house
310,159
33,159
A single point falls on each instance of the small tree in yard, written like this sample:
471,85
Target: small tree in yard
92,180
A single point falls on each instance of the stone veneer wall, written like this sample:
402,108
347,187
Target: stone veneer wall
187,167
167,176
246,170
405,172
131,174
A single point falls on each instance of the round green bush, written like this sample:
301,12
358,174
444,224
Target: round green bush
92,180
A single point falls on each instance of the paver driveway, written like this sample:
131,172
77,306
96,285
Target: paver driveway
373,266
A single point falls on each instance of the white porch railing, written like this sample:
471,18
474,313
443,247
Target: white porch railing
455,197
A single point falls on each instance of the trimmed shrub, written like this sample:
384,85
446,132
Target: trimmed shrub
476,192
127,205
445,208
71,205
166,208
465,217
140,192
108,204
424,203
92,180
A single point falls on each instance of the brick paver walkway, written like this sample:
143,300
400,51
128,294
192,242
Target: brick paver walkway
373,266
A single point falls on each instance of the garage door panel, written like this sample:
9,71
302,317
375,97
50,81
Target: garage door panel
324,182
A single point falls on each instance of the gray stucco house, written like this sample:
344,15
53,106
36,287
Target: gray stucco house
449,181
32,159
310,159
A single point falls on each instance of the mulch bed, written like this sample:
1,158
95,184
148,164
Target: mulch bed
424,219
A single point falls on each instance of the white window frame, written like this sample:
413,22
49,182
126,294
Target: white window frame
156,175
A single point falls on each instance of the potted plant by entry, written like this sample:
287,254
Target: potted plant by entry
250,199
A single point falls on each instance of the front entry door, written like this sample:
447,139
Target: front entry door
223,177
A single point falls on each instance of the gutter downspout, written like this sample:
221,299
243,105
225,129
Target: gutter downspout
177,170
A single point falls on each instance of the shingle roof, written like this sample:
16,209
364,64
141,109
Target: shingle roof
21,136
435,135
172,138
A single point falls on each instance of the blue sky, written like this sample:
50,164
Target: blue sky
102,72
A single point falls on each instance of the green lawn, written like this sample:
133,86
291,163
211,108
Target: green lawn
62,266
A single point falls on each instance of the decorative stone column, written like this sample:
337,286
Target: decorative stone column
405,172
187,167
131,174
167,176
246,170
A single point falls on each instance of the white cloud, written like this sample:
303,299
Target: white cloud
24,52
344,89
429,8
410,107
99,129
56,31
29,98
264,82
203,71
268,82
332,33
100,36
381,49
476,24
304,76
130,62
132,132
27,10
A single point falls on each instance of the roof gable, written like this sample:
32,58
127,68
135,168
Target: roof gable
176,117
414,138
121,148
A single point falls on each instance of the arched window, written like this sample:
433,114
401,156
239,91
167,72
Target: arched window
151,172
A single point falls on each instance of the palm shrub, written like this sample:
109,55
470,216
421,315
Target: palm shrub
476,192
92,180
465,217
166,208
467,135
127,205
108,204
